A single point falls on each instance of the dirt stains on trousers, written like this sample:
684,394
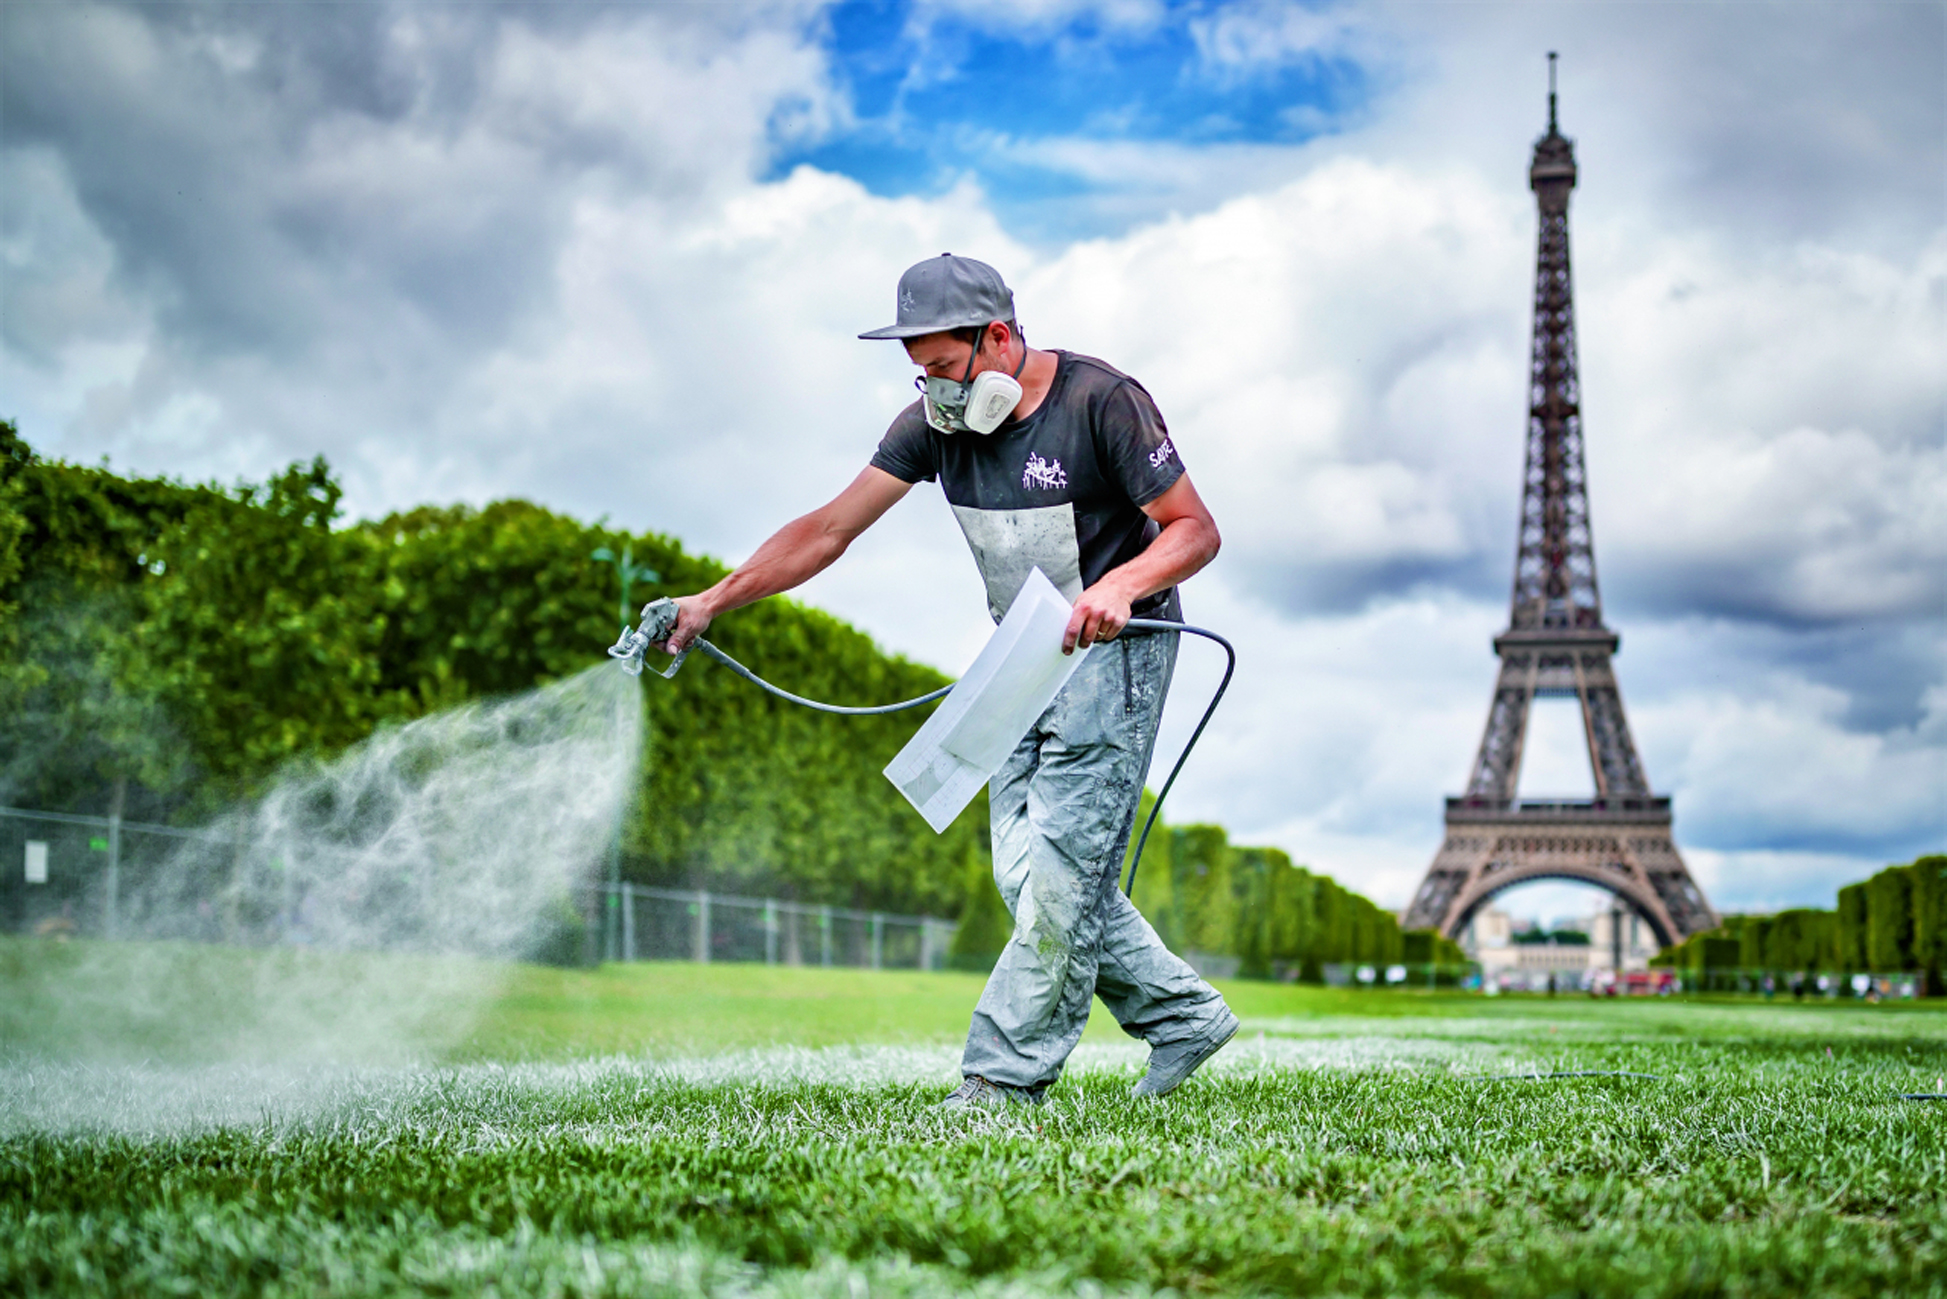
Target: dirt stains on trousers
1063,806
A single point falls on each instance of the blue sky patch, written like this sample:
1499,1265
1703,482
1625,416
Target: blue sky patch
937,98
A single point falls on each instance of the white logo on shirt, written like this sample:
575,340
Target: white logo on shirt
1043,473
1160,454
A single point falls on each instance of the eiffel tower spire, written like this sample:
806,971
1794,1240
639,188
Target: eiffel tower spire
1554,569
1557,644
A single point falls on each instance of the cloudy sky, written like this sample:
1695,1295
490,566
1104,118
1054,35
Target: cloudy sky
612,257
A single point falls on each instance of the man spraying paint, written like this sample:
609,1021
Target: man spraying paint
1056,461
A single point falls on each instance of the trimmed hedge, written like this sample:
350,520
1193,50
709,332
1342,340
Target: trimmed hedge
1895,921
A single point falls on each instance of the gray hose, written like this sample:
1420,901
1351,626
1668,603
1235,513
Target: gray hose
1230,667
843,711
1567,1073
659,619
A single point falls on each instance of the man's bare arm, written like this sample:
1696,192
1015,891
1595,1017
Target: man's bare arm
1188,541
793,555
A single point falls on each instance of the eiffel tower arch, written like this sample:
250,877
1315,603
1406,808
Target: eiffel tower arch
1556,644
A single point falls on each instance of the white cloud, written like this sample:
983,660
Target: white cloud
1774,766
1344,356
1031,19
1323,391
1766,880
1763,123
1766,432
1236,42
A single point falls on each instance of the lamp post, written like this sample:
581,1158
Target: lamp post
627,574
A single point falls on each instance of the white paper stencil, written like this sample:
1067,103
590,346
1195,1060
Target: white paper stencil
1016,676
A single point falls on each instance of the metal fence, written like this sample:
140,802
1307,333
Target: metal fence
1597,981
653,924
65,873
1831,985
1381,974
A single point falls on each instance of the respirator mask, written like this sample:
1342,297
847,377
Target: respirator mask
979,406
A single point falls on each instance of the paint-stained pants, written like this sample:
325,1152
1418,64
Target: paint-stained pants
1063,806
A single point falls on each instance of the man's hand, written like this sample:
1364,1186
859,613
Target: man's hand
692,620
1187,542
1101,614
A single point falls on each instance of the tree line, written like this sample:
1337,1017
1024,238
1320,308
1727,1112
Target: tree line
1894,922
172,646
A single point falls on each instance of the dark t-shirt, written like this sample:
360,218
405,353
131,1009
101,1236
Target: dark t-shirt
1061,490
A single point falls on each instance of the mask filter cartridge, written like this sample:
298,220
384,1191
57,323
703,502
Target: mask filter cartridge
990,400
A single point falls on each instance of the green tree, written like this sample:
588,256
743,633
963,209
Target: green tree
1206,900
1802,939
1292,905
15,456
1430,947
1930,921
489,601
1889,919
1852,928
254,631
1155,892
1252,876
1751,932
265,629
84,713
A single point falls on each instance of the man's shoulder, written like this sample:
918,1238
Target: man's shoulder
908,450
1090,374
1092,384
909,422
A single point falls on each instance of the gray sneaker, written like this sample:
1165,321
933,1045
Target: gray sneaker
1170,1065
975,1092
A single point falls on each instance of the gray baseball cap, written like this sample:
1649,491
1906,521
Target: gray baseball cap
948,292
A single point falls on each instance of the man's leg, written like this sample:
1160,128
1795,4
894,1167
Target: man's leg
1152,992
1057,806
1061,808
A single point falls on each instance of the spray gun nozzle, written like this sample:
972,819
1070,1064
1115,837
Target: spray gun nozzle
628,650
658,621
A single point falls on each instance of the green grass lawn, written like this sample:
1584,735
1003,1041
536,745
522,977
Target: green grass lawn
736,1130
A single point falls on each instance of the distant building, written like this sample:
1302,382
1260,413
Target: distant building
1525,957
1638,940
1491,927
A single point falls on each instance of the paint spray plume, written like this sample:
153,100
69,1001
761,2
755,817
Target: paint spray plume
435,852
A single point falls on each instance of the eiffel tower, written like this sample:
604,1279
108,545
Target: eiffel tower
1556,644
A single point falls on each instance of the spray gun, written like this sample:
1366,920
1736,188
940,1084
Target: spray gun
659,620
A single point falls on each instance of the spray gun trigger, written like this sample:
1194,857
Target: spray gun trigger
658,620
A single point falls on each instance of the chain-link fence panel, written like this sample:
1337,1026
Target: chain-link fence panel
68,874
651,924
65,873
